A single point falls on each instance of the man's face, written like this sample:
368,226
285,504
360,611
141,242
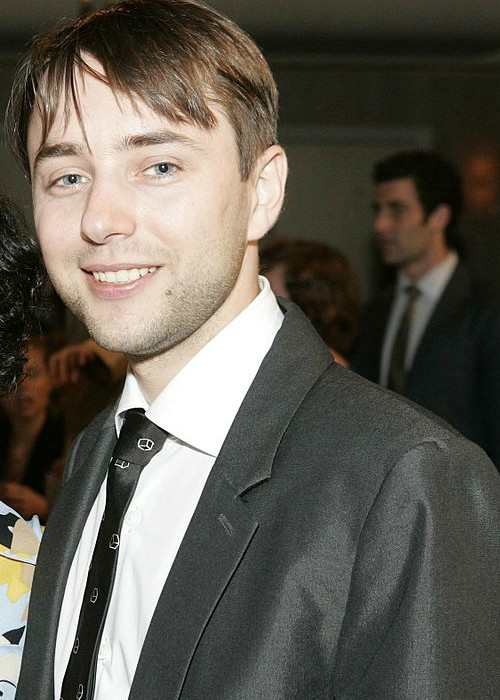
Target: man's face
142,222
402,230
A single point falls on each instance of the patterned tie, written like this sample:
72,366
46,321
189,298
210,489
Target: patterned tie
140,440
397,370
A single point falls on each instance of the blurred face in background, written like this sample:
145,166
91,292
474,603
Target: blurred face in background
403,232
31,398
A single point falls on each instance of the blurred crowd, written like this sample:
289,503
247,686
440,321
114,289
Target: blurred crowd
65,385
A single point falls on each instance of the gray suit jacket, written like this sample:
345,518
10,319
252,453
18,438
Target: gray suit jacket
345,546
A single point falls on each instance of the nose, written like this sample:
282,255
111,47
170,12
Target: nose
382,223
108,212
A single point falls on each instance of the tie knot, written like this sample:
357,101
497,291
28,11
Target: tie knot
412,292
140,439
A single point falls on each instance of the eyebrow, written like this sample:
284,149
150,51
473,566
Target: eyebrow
157,138
127,143
391,204
56,150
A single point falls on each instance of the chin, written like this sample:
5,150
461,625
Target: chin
113,344
393,259
125,343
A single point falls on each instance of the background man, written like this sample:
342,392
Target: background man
289,537
435,335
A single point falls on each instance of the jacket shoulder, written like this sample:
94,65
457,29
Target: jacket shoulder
362,430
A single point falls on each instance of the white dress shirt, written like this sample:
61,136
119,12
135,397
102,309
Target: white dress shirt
430,286
196,408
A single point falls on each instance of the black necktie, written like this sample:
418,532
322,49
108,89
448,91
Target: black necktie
397,369
140,440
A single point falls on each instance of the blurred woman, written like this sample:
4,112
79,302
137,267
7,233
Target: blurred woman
320,280
31,436
21,283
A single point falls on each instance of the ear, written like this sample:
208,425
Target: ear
268,191
440,217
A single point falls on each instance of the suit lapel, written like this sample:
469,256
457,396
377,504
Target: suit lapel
452,300
223,525
213,546
55,557
367,356
377,335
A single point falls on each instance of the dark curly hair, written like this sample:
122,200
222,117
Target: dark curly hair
22,285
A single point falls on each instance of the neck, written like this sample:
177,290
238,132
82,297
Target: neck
416,269
155,373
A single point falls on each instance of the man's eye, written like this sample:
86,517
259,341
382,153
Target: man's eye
70,180
398,209
161,170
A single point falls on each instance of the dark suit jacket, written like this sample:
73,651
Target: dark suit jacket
345,546
456,370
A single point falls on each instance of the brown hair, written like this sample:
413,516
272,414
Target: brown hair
321,281
177,56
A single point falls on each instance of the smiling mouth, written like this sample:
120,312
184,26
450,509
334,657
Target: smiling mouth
122,276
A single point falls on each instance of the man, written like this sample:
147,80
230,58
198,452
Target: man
300,533
434,337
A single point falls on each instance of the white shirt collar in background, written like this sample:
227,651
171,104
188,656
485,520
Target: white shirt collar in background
432,284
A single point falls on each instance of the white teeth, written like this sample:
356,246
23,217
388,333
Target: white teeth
123,276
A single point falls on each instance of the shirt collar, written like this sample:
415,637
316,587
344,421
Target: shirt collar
432,284
199,404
